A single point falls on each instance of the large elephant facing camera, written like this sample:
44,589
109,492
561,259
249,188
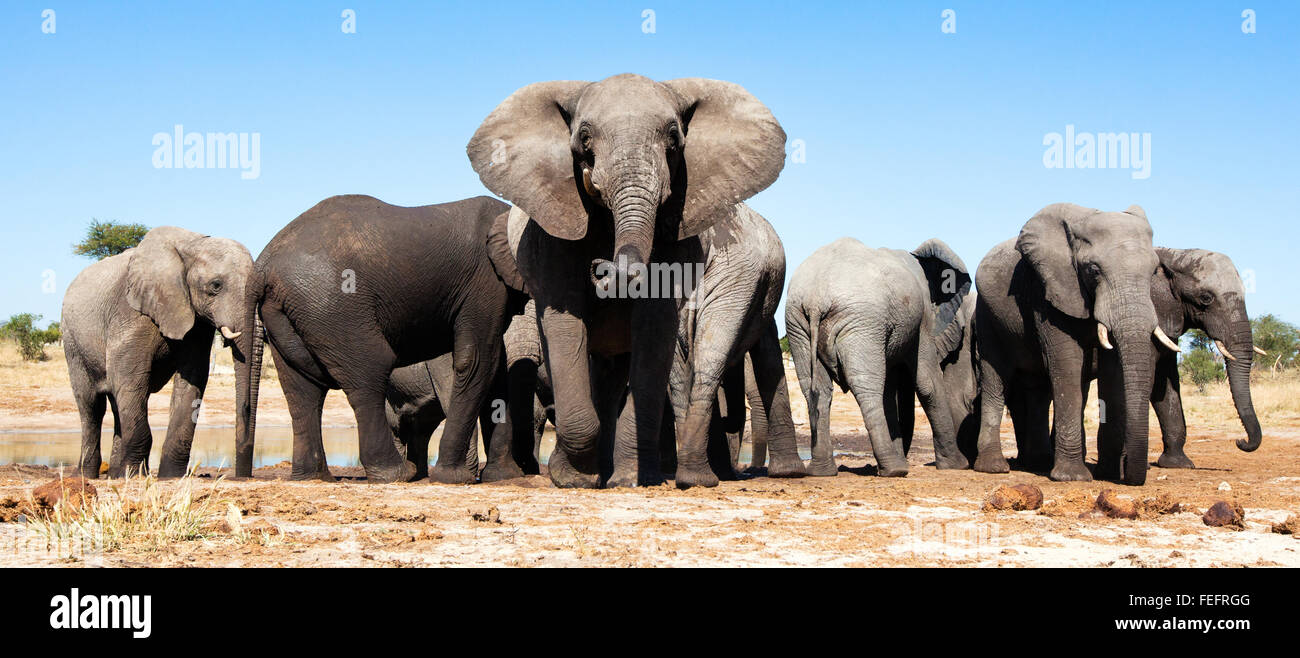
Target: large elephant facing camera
135,320
1076,280
611,176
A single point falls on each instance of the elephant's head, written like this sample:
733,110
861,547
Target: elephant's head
953,304
176,276
655,158
1097,266
1207,286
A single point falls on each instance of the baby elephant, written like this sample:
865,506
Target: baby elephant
873,320
133,321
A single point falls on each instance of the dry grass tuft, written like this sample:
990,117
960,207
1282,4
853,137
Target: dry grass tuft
136,513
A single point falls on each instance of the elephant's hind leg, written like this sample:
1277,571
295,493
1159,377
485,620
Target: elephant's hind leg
864,369
305,399
772,416
91,406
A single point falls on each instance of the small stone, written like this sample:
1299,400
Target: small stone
1225,515
1115,506
1224,486
490,515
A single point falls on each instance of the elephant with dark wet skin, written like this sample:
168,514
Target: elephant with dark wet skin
611,176
133,321
355,288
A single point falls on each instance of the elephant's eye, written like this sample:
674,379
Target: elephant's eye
1206,298
214,287
584,138
675,140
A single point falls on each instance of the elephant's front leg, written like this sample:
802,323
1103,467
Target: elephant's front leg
476,363
131,448
575,460
636,440
188,384
1167,401
1065,366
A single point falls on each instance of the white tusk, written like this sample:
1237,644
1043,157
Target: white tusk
1224,351
591,187
1104,336
230,335
1164,340
1259,351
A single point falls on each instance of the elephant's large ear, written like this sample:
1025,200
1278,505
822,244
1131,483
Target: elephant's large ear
155,281
734,149
521,153
1045,243
950,285
502,255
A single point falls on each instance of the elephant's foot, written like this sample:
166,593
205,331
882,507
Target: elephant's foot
992,462
498,471
695,476
892,470
320,472
822,468
566,476
786,466
1107,469
1070,471
447,474
956,463
171,469
621,478
1174,460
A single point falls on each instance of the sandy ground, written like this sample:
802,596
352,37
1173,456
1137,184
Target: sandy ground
930,518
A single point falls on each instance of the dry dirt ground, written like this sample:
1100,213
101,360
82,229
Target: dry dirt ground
929,518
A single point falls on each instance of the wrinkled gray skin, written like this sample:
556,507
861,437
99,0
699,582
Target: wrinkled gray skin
135,320
626,170
1041,300
1192,289
1199,289
960,374
877,320
415,410
730,316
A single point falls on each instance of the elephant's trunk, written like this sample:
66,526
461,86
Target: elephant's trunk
1133,342
633,197
248,378
1242,349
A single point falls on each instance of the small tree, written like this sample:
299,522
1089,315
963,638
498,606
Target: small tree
1279,340
104,239
31,341
1200,367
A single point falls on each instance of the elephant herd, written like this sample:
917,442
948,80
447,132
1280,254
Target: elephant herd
628,297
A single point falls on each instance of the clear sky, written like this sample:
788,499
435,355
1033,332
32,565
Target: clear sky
909,132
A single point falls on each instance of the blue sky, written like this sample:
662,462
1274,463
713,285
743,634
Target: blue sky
910,133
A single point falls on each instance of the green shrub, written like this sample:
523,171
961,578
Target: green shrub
31,341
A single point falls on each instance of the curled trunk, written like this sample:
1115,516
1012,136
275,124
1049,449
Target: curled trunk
1242,347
